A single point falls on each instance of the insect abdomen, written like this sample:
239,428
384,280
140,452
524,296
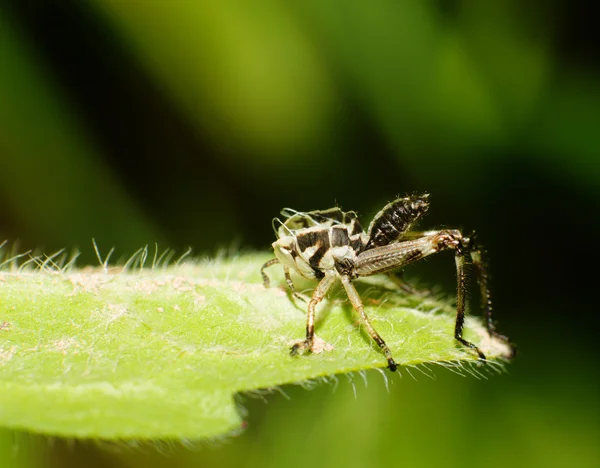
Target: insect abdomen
395,219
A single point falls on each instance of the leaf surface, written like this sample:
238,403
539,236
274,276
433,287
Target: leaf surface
161,352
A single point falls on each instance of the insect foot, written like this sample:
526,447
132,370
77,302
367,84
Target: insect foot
317,346
300,347
482,359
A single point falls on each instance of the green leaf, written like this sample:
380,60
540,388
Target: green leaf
160,352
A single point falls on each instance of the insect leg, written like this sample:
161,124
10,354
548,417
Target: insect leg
266,280
398,279
460,302
486,299
318,295
358,305
288,279
394,256
290,283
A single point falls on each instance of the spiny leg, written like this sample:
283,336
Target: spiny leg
486,297
266,280
318,295
460,302
358,305
464,246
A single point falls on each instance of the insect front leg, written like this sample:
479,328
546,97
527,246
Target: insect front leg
318,295
288,279
358,305
266,280
295,294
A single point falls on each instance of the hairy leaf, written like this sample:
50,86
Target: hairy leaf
160,352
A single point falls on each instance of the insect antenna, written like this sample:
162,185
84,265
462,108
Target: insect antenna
274,227
281,224
289,212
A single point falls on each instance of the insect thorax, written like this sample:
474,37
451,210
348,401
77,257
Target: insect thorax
315,242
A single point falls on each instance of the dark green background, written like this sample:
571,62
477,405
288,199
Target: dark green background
193,123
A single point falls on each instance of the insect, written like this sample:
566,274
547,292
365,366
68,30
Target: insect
331,244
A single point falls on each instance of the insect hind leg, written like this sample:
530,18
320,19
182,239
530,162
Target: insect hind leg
477,259
462,246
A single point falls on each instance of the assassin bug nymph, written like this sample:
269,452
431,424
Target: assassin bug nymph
331,244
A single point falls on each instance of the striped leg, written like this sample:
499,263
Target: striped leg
358,305
288,279
318,295
266,280
295,294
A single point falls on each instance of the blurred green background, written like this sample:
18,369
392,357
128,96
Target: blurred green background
192,123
